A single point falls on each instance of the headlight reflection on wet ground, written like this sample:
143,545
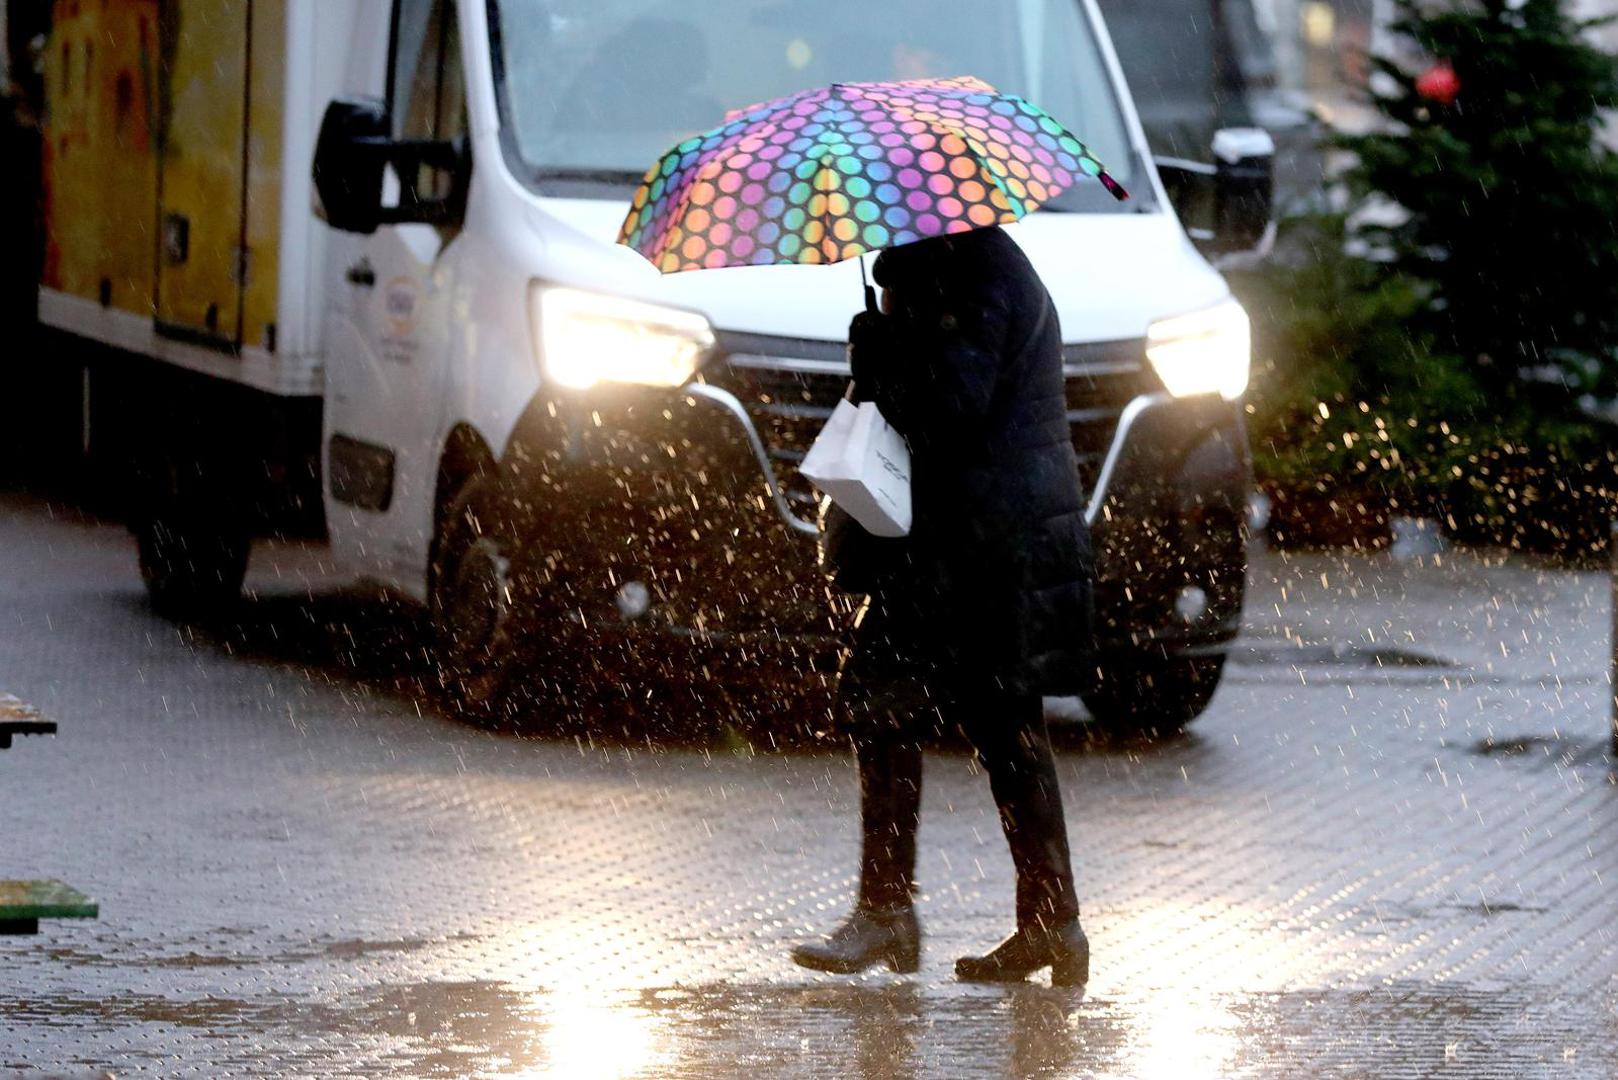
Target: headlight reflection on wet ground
592,1039
1183,1037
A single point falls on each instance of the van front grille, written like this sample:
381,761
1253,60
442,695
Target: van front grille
790,386
1102,378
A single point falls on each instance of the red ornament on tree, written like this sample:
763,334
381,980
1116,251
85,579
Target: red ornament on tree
1439,84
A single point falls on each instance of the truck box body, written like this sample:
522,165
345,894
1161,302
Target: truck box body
177,148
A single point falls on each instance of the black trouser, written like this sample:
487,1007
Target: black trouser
1015,750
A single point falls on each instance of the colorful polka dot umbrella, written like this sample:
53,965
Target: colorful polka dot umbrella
833,173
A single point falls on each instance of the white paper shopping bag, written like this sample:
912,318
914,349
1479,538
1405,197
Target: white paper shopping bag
864,465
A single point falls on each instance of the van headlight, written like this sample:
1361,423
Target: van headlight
587,338
1204,352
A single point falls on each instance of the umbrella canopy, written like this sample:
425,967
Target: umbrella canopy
833,173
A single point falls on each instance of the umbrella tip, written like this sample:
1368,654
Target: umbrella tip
1112,185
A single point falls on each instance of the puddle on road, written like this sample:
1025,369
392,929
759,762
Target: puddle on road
865,1029
1554,751
1258,653
216,953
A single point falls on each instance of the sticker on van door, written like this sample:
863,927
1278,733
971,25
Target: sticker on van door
401,312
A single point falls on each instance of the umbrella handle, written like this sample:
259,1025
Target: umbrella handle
870,293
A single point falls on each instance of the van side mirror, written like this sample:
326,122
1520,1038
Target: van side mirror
1244,187
1226,206
349,163
352,155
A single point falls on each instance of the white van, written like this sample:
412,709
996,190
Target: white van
585,468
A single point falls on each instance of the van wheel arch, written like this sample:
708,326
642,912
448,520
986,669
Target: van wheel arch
465,458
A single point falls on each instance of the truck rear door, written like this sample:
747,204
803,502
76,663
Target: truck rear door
202,171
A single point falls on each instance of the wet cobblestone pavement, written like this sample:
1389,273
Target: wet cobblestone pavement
1389,850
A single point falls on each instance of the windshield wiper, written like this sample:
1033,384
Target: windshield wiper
586,175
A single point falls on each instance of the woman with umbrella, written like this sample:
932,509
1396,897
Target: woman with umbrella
985,606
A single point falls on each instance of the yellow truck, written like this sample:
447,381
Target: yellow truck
178,236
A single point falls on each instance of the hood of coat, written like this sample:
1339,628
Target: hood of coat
1110,274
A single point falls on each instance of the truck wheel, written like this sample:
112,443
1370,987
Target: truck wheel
473,620
1154,696
192,565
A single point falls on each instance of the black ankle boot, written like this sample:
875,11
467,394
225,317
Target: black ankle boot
870,936
1063,949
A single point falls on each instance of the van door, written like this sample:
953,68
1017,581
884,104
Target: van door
202,191
386,354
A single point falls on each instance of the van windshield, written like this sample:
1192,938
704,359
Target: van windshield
594,91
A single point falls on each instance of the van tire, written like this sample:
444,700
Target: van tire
192,567
470,601
1154,696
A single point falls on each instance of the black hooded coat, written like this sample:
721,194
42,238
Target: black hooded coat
991,591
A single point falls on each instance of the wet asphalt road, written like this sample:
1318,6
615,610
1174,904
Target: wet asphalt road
1389,850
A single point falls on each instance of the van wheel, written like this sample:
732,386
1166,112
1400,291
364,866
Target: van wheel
471,601
191,566
1155,696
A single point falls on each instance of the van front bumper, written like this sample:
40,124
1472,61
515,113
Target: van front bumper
1168,518
678,497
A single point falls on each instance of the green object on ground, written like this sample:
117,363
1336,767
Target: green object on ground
24,903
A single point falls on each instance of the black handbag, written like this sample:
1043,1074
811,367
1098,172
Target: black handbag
856,561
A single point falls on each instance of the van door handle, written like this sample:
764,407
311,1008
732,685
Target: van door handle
362,274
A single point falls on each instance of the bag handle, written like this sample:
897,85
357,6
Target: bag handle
852,394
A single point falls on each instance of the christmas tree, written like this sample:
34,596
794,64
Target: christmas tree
1506,203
